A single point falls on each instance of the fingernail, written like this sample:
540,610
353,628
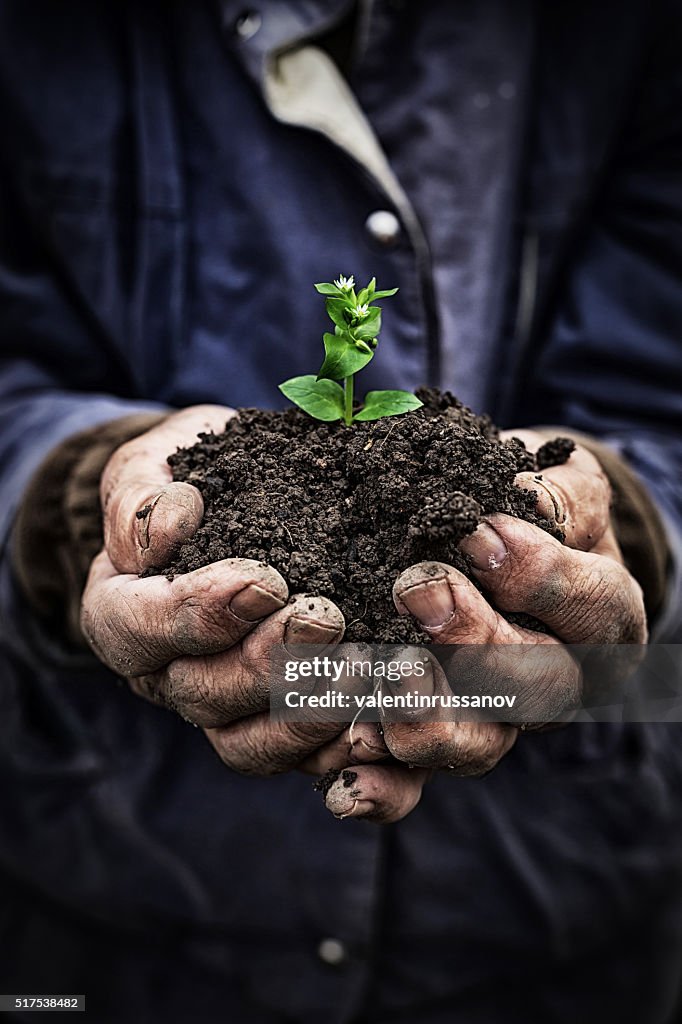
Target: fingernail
485,548
430,602
308,631
549,503
367,743
362,751
343,799
253,603
143,517
360,809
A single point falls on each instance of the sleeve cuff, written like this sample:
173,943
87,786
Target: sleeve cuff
58,529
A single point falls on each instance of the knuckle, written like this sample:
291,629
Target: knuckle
533,578
101,629
551,694
123,639
250,680
591,595
542,588
302,736
189,690
592,591
198,622
610,608
151,688
244,750
576,610
422,745
131,629
624,620
476,748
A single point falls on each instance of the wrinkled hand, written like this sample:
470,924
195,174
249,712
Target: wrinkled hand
201,644
581,591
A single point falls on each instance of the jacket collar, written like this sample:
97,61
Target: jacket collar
281,25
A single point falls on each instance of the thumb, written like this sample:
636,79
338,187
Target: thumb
147,516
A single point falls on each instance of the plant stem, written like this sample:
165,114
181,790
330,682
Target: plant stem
348,400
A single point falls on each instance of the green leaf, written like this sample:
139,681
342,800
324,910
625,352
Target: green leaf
367,294
342,358
335,309
387,403
327,288
384,294
321,399
370,327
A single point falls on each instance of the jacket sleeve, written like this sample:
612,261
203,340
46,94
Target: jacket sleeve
612,365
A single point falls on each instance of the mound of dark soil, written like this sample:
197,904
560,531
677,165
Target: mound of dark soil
341,511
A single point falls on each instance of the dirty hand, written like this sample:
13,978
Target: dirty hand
581,591
199,645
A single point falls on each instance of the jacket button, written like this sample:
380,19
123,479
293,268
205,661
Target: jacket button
247,24
332,952
384,227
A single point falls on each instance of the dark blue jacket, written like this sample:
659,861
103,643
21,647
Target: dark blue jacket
163,215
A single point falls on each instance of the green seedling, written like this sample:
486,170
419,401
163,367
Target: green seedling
357,322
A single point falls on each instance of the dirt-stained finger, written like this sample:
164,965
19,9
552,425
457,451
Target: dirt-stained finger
464,748
362,744
378,793
261,745
584,598
135,626
146,515
145,526
216,689
448,606
575,496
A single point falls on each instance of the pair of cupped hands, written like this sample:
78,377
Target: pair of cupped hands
202,644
